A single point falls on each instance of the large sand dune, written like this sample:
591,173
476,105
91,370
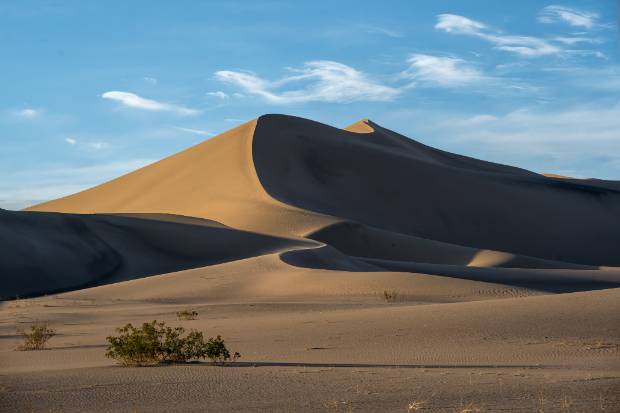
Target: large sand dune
284,234
359,199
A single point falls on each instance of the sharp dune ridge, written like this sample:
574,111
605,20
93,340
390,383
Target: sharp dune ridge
363,198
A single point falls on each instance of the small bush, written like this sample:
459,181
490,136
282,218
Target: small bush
37,337
187,315
390,295
218,353
155,343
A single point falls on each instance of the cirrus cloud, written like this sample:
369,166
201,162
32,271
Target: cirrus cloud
321,80
137,102
428,70
522,45
574,17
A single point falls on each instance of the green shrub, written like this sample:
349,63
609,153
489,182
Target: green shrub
37,337
218,353
187,315
155,343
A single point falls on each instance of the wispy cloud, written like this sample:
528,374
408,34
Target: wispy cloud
321,80
574,17
194,131
576,40
428,70
381,31
45,183
522,45
218,94
137,102
97,146
151,80
582,138
27,113
601,78
92,146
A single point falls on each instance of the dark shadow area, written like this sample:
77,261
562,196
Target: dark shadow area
48,252
374,365
544,280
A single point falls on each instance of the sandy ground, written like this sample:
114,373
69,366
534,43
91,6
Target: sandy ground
352,353
283,234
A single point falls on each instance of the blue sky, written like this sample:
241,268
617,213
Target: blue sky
92,89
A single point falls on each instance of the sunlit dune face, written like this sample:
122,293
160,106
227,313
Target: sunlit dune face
486,258
362,126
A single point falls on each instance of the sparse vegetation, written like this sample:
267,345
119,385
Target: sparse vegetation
390,295
155,343
414,406
37,337
187,315
470,407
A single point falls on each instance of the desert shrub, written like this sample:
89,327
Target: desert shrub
187,315
37,337
155,343
390,295
218,353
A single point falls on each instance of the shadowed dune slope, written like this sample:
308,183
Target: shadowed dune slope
390,182
42,252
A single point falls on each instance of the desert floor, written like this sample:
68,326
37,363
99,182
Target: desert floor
352,353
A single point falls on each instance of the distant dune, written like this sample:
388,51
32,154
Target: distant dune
377,200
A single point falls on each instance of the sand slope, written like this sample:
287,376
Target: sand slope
45,252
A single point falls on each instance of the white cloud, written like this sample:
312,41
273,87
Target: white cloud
97,146
194,131
151,80
453,23
134,101
576,40
28,113
441,71
574,17
451,72
218,94
522,45
322,80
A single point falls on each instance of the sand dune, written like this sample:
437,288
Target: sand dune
46,252
387,181
285,234
373,201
